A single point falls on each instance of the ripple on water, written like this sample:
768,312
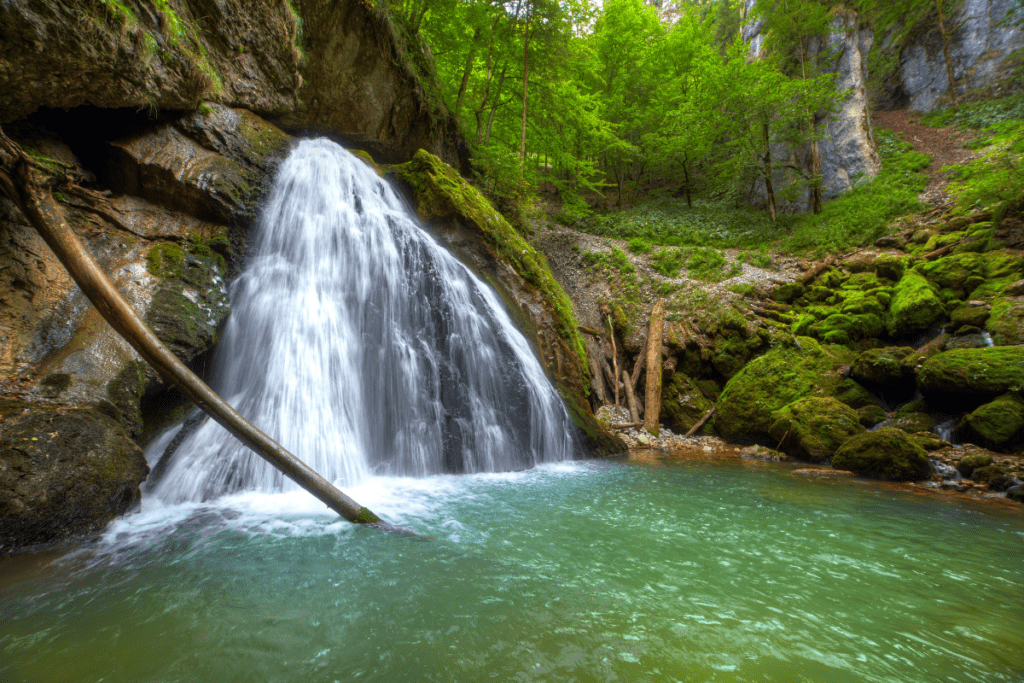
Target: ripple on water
589,571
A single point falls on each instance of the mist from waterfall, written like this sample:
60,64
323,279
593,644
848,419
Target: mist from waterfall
364,347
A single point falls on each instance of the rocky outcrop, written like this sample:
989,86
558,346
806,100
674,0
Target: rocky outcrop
63,473
985,52
888,454
479,235
373,84
63,54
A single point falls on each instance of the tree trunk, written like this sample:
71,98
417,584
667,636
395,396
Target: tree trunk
652,403
615,358
487,89
466,72
526,81
490,118
32,195
768,172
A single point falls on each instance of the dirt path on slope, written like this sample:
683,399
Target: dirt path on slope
944,145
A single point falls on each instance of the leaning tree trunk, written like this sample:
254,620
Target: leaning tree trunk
32,194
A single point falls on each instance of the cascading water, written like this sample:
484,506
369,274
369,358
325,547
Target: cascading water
364,347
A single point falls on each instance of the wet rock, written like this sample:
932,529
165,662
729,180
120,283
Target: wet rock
813,428
888,454
996,425
914,307
967,465
929,441
911,422
870,415
971,314
975,373
63,474
1016,493
1006,324
989,474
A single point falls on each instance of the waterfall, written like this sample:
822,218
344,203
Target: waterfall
364,347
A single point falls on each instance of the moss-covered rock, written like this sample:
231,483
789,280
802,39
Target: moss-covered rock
788,292
813,428
929,441
996,425
871,415
854,395
885,367
891,266
1006,322
988,474
915,306
683,404
888,454
776,379
911,422
63,474
967,465
970,315
976,373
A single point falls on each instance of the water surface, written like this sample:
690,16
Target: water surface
592,571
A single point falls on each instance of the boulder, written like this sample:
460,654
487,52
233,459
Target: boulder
481,237
967,465
996,425
813,428
1006,323
682,403
776,379
871,415
63,474
885,367
888,454
975,373
915,306
911,422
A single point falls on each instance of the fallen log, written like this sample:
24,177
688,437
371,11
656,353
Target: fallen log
31,190
703,420
816,271
627,425
942,251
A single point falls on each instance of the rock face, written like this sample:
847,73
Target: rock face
372,84
476,233
63,54
981,51
63,474
846,147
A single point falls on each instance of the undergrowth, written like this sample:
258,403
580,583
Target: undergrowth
863,214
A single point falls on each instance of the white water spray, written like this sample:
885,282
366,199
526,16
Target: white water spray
364,347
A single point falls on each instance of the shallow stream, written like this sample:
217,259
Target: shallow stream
586,571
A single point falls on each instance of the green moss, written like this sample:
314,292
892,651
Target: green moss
884,367
813,428
888,454
998,424
365,157
165,260
967,466
915,306
973,372
891,266
781,376
1006,324
366,516
441,193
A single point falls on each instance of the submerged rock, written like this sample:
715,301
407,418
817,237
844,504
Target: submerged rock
813,428
888,454
63,474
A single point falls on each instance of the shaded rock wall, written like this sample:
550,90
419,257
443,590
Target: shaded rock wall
982,52
64,54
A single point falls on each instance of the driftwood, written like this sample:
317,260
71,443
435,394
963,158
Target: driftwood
652,401
615,359
31,190
641,361
942,251
627,425
612,381
596,382
634,413
694,428
816,270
